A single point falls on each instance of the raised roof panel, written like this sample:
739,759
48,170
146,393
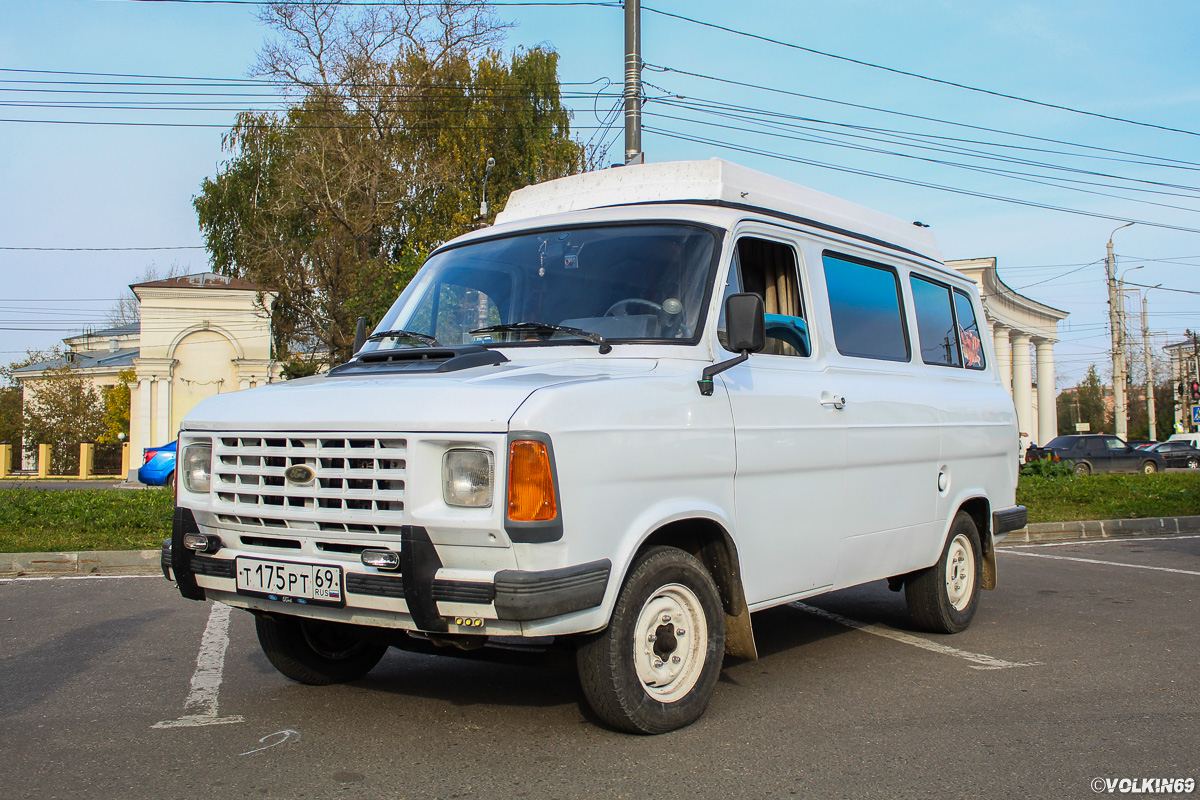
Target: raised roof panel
714,180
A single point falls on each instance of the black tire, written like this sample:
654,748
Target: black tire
317,653
1193,463
170,481
945,597
1083,469
1149,467
621,681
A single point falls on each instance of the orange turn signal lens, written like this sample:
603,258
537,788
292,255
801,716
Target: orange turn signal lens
530,483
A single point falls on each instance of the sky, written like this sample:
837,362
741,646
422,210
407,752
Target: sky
70,186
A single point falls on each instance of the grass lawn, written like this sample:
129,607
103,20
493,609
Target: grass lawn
42,520
39,520
1065,498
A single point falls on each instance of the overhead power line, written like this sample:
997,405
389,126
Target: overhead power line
906,73
912,182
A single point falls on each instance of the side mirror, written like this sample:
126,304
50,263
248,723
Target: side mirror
745,323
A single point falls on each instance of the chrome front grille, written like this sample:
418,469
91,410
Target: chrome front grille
358,485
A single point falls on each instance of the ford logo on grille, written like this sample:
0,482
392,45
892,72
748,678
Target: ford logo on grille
299,473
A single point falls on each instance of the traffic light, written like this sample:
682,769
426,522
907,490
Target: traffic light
1196,390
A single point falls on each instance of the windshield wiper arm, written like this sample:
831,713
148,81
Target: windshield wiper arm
398,334
594,338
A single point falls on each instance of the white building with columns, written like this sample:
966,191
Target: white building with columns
1023,332
200,335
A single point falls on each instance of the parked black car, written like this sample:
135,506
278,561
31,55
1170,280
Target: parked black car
1177,453
1097,453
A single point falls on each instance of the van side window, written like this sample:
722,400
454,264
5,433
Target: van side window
935,322
864,302
968,331
768,269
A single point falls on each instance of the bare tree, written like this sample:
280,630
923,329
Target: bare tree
127,309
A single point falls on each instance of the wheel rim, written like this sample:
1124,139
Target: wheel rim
1149,467
1193,463
670,643
960,572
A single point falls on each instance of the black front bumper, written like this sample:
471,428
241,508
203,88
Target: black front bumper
517,594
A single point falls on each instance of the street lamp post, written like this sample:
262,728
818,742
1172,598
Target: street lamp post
1118,347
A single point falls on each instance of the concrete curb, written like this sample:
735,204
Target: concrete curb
1091,529
98,562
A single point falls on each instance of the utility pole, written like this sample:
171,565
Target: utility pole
1115,302
1149,369
633,83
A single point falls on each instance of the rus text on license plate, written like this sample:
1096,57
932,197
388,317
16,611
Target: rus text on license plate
290,582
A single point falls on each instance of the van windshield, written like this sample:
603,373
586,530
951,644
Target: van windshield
623,283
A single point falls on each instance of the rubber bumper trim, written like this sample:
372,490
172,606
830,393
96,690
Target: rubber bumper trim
550,593
184,522
1009,519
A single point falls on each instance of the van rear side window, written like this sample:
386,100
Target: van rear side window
864,302
935,322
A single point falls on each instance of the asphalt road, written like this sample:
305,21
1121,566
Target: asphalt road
1082,665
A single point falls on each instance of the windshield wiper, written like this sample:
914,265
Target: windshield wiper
594,338
400,334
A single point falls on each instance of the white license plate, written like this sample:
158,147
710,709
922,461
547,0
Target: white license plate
290,582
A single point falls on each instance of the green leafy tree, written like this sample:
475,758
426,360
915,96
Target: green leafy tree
63,409
116,408
335,203
1084,403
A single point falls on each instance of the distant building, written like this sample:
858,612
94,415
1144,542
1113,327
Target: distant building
1018,323
198,335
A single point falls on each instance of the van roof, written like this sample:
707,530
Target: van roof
716,182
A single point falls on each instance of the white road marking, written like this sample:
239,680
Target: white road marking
1131,539
981,661
1098,561
77,578
284,735
206,681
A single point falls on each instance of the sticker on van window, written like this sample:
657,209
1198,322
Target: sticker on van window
972,348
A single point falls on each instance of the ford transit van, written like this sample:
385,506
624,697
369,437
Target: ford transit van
646,403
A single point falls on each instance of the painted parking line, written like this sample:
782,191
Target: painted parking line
31,578
1099,561
979,660
200,707
1130,539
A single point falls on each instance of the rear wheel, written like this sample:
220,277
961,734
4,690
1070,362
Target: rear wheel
1193,463
1149,466
170,481
1083,469
317,653
944,597
656,665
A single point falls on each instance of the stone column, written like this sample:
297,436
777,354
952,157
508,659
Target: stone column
1022,385
144,387
1003,354
162,412
1047,395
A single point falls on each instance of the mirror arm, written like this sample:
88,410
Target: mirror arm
706,377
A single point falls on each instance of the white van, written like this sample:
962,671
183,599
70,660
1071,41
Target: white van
1194,438
646,403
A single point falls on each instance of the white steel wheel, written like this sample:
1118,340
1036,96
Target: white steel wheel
943,598
670,639
655,666
960,572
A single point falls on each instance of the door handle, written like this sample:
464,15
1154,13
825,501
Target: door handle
837,401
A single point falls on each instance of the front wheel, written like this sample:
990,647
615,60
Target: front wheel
944,597
316,653
1149,467
1193,463
656,665
1082,469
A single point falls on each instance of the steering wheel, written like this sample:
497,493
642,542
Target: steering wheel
631,301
